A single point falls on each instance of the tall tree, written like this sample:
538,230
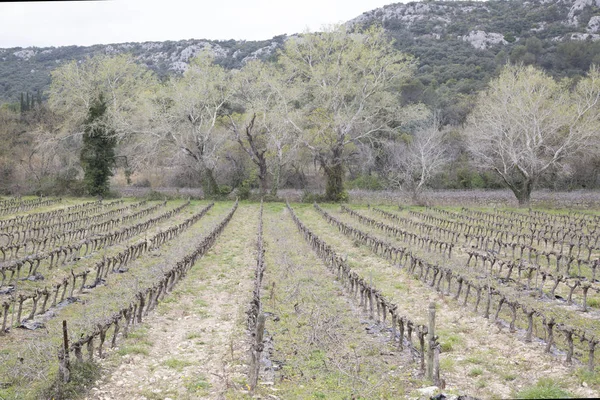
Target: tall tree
117,86
527,125
261,128
346,84
98,150
414,163
125,85
188,117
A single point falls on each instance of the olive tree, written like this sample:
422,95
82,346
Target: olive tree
342,88
526,124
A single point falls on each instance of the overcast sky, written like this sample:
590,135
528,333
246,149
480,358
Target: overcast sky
85,23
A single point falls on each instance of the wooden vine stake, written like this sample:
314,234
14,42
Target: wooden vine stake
433,367
256,352
64,366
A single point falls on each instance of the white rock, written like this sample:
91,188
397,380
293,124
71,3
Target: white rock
585,36
577,6
25,54
428,391
481,39
594,24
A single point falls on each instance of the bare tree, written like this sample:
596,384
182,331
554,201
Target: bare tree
187,117
414,163
527,124
262,130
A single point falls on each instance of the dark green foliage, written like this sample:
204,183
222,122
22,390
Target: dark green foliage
28,102
309,197
243,191
449,67
367,182
98,152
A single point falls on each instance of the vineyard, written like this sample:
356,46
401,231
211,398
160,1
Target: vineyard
191,299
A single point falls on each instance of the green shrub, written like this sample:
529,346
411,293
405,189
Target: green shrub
243,191
308,197
367,182
224,190
475,372
153,195
269,198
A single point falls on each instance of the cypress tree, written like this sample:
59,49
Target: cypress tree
98,152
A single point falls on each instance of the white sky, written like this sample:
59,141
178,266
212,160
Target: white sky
85,23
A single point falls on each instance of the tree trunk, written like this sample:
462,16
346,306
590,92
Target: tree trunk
275,183
334,191
262,175
523,193
209,183
522,190
521,185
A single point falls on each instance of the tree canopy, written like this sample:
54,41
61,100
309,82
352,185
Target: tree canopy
528,124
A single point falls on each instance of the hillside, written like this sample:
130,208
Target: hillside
459,46
28,69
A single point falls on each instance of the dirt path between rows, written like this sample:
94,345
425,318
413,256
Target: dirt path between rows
192,345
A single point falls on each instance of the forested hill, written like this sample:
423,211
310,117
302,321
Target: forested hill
459,46
28,69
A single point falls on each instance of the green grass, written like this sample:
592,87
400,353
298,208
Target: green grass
477,371
593,302
176,364
134,349
447,364
589,377
193,335
83,375
158,396
449,341
197,385
545,388
509,376
140,333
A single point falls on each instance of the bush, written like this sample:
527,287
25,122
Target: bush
243,191
269,198
367,182
308,197
153,195
224,190
60,186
